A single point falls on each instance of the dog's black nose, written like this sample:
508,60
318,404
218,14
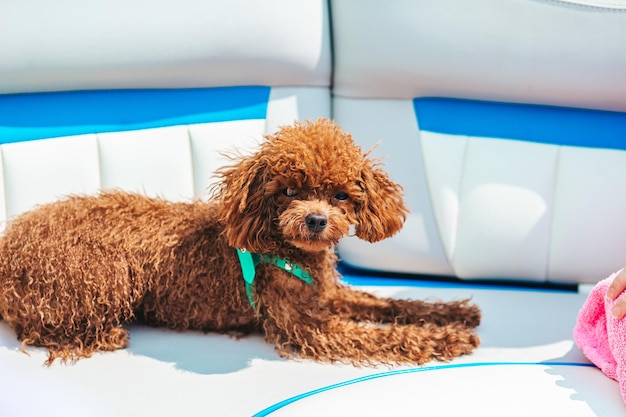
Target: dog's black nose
316,222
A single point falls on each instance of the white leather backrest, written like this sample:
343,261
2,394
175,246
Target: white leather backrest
103,44
562,53
541,201
145,95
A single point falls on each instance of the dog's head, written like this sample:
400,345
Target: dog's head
306,186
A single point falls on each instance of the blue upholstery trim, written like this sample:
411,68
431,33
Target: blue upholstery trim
282,404
541,124
43,115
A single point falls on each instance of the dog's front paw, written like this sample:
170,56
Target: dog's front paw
471,315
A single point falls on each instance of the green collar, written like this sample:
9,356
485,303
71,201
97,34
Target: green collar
249,261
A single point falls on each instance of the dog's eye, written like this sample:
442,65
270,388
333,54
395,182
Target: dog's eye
290,192
341,196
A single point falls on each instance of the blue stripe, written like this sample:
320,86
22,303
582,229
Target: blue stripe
269,410
44,115
541,124
357,277
492,285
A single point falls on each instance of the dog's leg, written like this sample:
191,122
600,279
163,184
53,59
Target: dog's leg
362,306
70,348
71,311
320,336
301,319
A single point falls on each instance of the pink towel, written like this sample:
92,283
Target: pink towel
601,337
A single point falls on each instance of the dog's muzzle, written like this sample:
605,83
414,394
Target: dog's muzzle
316,222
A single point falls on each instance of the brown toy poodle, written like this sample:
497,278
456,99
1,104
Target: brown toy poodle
258,257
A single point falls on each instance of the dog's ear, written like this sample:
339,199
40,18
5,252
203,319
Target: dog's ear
246,212
382,213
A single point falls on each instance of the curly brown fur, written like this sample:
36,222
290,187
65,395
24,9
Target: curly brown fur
72,273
